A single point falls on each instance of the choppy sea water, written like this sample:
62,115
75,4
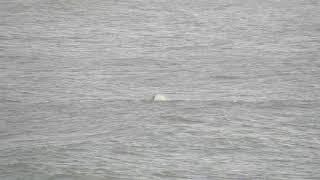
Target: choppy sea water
242,79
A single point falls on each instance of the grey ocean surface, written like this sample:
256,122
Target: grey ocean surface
242,79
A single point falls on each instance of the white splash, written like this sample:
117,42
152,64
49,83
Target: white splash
159,97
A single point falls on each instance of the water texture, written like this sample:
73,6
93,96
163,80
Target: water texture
241,79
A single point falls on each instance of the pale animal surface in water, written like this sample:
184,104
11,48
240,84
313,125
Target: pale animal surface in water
159,97
240,81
